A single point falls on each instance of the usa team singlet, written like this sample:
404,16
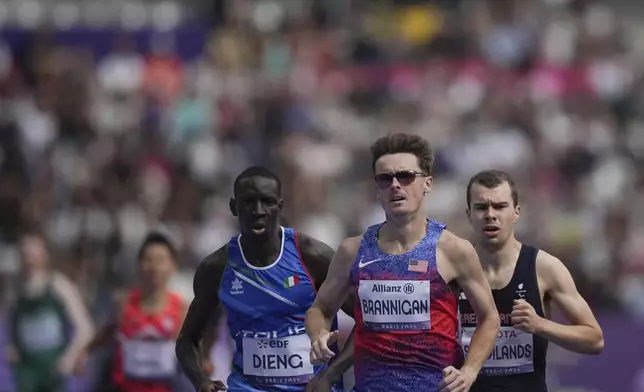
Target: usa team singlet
406,317
266,308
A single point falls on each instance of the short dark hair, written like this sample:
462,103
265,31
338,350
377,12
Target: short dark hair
257,171
397,143
491,179
157,238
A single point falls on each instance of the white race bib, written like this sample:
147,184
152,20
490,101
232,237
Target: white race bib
512,353
149,359
278,361
395,305
41,331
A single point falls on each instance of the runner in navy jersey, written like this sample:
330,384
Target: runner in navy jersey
406,271
525,282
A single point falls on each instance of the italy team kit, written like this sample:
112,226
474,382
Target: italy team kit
266,308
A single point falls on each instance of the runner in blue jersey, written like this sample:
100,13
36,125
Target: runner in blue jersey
265,278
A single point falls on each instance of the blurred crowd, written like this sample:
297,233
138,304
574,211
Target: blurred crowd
97,150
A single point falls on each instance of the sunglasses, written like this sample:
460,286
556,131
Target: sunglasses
404,177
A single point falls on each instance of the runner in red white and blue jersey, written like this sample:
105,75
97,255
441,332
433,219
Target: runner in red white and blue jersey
407,272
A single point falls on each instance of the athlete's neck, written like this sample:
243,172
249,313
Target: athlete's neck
262,252
498,258
153,298
35,281
401,237
36,274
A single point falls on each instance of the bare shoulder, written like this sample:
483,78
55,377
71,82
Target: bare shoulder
547,262
210,271
550,269
305,240
65,287
455,257
313,250
62,282
349,247
345,255
213,263
454,247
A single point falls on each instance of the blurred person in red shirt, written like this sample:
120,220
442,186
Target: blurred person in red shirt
146,325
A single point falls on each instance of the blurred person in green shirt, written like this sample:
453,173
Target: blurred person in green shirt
49,324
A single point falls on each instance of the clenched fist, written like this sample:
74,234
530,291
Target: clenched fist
524,317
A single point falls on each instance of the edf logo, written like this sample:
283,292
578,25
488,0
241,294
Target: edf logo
272,343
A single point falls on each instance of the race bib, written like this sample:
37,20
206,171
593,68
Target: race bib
395,305
149,359
278,361
41,331
512,353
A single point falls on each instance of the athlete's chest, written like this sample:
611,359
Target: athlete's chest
136,323
394,292
279,290
147,343
388,267
499,279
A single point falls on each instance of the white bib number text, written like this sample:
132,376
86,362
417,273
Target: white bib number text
395,305
278,361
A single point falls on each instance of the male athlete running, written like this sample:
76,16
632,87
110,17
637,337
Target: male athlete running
525,282
406,324
146,324
265,278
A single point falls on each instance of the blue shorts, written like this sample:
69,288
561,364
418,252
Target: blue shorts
396,378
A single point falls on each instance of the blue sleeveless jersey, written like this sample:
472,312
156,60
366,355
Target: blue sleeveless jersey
406,317
266,308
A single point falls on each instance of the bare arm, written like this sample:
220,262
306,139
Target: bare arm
468,274
317,257
200,316
335,289
107,331
78,316
584,335
211,334
343,361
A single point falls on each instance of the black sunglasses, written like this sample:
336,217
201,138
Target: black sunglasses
404,177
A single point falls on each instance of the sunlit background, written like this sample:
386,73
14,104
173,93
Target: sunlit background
121,116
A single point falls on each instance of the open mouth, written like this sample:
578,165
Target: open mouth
397,198
258,228
491,231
